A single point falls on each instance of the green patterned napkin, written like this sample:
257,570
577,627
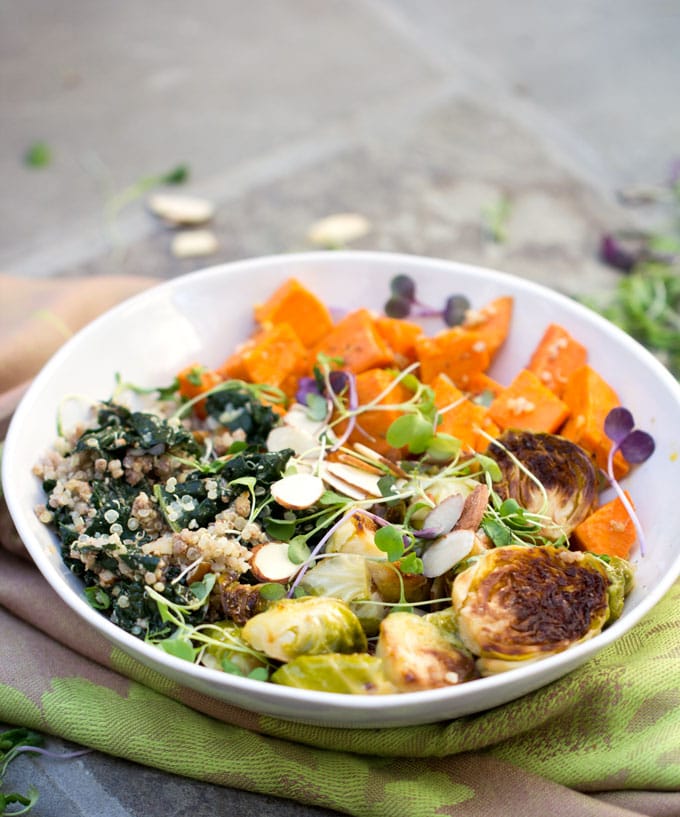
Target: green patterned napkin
603,741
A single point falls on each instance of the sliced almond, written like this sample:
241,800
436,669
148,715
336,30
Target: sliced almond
181,210
269,562
370,454
442,518
284,436
362,465
340,485
446,552
368,483
194,243
338,229
297,491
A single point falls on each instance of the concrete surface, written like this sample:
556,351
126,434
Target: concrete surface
422,115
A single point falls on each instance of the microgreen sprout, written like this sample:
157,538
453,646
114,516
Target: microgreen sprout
14,742
635,446
403,303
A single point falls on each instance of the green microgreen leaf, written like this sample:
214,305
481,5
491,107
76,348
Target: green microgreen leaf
272,591
97,597
495,219
443,447
179,647
331,498
490,466
411,563
387,486
280,529
259,674
317,407
298,550
38,155
202,589
390,540
499,533
411,430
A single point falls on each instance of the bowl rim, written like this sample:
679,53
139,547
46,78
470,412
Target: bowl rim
132,645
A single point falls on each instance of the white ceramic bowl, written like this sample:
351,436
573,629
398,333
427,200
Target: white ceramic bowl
201,317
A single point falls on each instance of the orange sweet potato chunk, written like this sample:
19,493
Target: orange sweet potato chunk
590,399
355,340
294,304
608,531
527,404
460,417
458,353
273,356
400,335
492,322
556,357
194,380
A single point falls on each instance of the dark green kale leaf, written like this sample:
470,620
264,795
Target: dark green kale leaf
266,468
118,428
238,409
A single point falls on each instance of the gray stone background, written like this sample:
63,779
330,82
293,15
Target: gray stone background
421,115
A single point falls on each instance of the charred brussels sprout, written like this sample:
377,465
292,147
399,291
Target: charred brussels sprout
355,674
522,603
418,654
309,625
546,475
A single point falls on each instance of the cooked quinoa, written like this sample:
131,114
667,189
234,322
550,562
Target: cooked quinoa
137,501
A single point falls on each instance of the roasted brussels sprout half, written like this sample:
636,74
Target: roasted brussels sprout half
309,625
622,580
546,475
231,653
355,674
418,654
520,603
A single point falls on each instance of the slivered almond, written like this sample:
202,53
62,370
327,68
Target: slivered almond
179,209
362,465
473,509
340,485
446,552
297,491
443,517
368,483
269,562
370,454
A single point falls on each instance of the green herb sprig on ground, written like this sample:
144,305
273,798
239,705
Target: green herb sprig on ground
646,300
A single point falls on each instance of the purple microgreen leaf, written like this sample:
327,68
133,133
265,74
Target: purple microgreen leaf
339,381
398,307
614,254
454,310
403,286
306,385
637,446
618,424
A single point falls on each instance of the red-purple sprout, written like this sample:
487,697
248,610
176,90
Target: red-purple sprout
636,446
403,302
338,381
